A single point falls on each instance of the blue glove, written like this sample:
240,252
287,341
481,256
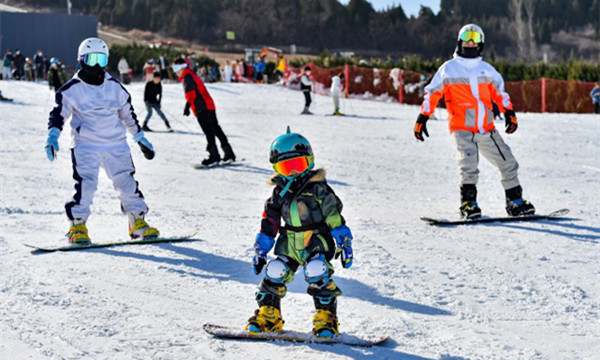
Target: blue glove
343,239
262,245
52,143
145,145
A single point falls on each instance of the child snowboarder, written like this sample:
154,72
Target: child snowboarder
336,91
306,88
152,98
199,100
102,112
470,86
313,226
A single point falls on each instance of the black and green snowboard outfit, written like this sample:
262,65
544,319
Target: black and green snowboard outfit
310,210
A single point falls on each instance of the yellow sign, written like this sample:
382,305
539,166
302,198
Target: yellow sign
230,35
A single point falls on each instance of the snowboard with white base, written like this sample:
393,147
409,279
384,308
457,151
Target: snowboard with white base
219,165
292,336
555,215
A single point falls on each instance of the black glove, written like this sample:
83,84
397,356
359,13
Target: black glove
421,127
148,152
186,111
258,262
510,121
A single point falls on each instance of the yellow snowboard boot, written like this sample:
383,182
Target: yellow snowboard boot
325,324
139,229
266,319
78,234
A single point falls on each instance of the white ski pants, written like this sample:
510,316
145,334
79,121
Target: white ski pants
118,165
493,148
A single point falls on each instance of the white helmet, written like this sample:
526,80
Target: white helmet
470,32
471,27
92,45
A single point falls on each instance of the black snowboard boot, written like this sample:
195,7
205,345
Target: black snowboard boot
228,156
468,197
516,205
213,157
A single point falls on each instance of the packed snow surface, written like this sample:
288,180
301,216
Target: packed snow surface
498,291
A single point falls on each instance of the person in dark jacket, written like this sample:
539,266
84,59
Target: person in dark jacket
19,62
152,97
201,103
57,76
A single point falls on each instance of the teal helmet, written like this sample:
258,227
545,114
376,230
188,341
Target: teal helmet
291,145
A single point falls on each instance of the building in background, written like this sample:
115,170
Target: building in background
57,35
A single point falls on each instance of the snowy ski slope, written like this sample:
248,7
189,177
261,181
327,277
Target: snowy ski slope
498,291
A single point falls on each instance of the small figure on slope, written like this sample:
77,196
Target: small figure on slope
336,91
313,227
470,86
101,113
152,98
306,88
199,100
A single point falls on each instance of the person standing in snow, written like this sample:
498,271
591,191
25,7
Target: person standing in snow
124,70
101,113
595,95
57,76
7,63
152,98
306,88
314,232
336,91
201,103
470,86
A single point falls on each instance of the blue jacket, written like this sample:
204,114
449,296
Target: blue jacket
595,94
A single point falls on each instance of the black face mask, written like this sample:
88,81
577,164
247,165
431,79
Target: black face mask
469,52
93,75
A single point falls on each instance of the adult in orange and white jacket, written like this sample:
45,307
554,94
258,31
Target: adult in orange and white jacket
470,86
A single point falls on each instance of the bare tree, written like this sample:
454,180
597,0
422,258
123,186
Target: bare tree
515,7
530,10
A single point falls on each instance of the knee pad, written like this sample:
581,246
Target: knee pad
316,270
277,271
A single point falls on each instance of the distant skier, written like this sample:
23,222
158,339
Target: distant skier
470,86
124,71
336,91
595,95
57,75
152,98
199,100
313,226
101,113
306,88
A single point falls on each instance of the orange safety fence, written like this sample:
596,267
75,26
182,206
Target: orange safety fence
542,95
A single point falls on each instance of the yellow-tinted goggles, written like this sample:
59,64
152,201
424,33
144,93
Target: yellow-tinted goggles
471,35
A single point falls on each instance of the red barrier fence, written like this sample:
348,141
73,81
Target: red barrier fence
542,95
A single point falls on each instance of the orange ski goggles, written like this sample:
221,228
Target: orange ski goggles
293,166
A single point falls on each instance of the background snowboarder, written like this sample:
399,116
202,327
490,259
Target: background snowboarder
306,88
201,103
470,86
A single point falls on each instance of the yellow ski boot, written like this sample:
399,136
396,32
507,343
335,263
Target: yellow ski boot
325,324
266,319
78,234
141,230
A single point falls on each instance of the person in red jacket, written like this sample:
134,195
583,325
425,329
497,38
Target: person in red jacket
199,100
